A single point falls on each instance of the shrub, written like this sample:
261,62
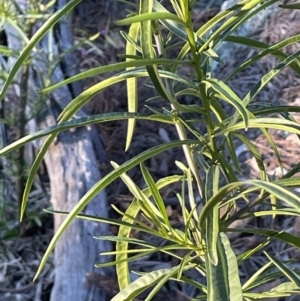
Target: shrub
208,174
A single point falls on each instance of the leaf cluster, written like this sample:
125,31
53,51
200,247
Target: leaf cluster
211,172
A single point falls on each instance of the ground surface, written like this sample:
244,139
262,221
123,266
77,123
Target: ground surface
19,257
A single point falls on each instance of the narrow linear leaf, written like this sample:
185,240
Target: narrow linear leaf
161,283
209,25
233,22
146,205
248,284
273,50
281,235
268,76
286,287
34,40
114,67
150,16
290,6
280,192
212,219
223,281
146,6
226,93
287,271
248,254
77,103
83,121
255,154
131,84
216,199
156,194
265,123
100,185
122,268
124,231
232,152
141,284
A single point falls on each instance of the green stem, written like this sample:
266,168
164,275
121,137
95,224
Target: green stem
179,126
199,75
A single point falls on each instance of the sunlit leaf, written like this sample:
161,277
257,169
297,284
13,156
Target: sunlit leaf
100,185
131,84
40,33
212,219
223,282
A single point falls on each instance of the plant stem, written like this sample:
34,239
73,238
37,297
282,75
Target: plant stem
199,75
179,126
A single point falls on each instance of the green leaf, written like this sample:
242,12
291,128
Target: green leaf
223,281
191,196
142,17
40,33
232,152
216,107
141,284
227,169
131,84
280,192
268,76
255,154
247,9
270,109
133,42
264,81
114,67
161,283
212,219
78,102
100,185
195,283
83,121
281,235
148,53
38,160
124,231
209,25
248,254
287,271
290,6
184,262
248,284
156,194
119,238
226,93
172,26
272,50
275,212
216,199
135,224
5,51
122,269
286,287
147,207
265,123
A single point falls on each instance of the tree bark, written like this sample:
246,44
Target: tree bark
72,168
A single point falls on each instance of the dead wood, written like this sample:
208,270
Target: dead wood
71,164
